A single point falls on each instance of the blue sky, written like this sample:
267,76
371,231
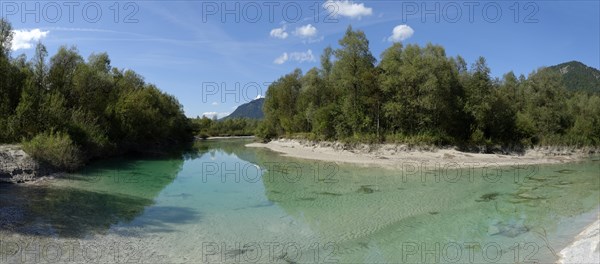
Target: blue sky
216,55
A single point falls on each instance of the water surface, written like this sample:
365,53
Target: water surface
227,203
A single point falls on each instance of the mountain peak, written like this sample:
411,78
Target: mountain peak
578,76
252,110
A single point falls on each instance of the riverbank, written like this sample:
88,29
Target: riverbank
585,248
231,137
395,156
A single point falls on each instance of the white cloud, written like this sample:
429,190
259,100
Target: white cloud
279,33
219,115
281,59
209,114
299,57
26,39
400,33
307,31
215,103
347,8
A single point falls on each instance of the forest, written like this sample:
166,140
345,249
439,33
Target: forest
419,95
205,127
66,110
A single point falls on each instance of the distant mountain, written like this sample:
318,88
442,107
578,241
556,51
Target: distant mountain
578,76
252,110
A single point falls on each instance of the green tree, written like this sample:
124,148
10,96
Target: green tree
6,36
423,89
545,104
63,67
280,103
352,74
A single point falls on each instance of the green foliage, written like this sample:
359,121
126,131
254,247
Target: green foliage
586,127
420,139
205,127
280,103
525,128
418,95
265,131
423,90
324,120
66,102
6,36
56,149
353,76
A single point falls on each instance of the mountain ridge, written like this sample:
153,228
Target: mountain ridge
577,76
251,110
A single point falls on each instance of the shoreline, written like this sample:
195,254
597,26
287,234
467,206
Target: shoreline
231,137
394,156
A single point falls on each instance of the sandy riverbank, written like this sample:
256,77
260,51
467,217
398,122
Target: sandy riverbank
394,156
585,247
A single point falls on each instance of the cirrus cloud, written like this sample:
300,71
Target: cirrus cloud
400,33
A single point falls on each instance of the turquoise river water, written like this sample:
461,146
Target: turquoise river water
225,203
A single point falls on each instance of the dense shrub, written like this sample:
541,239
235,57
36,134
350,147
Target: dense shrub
205,127
56,149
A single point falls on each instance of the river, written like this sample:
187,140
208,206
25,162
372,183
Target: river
225,203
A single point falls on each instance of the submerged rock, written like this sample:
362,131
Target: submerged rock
508,229
529,196
236,252
538,179
366,189
566,171
329,193
493,230
562,184
181,195
488,197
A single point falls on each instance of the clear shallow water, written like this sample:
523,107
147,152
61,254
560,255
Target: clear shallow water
228,203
